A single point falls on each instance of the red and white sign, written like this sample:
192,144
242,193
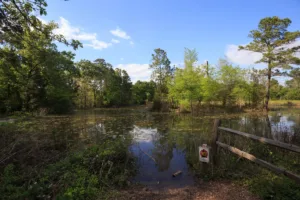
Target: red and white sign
204,153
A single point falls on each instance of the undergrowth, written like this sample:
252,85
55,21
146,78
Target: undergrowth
95,172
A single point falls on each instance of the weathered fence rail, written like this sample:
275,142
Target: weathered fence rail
216,143
290,147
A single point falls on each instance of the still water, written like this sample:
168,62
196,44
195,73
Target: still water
166,143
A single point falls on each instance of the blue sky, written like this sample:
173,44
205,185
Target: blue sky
125,32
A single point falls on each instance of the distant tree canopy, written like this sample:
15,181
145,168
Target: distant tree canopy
101,85
143,91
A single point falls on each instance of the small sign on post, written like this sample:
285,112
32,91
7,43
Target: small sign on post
204,153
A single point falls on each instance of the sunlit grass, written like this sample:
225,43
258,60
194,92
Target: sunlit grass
285,102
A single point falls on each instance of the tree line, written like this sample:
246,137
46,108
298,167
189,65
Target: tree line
35,75
195,86
230,84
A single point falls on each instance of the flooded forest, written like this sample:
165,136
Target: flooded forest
82,129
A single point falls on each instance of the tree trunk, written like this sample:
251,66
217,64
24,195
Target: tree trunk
268,88
94,98
191,102
224,101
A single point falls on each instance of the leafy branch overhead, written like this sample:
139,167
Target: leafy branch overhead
18,17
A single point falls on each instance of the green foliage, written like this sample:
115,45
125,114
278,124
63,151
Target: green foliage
210,89
292,94
277,91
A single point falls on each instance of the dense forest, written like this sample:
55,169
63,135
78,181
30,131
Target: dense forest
36,76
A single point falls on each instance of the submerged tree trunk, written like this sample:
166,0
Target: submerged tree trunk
269,127
268,88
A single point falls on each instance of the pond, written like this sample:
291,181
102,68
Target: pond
166,143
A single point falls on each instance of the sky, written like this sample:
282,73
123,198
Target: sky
125,32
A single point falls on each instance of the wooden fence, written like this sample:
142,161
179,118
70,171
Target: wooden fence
216,144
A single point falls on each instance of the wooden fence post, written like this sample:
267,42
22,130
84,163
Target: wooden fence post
215,137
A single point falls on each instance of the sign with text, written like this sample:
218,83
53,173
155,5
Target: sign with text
204,153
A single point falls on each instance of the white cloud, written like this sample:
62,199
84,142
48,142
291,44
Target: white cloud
96,44
294,44
131,43
244,57
136,71
241,57
115,41
71,32
119,33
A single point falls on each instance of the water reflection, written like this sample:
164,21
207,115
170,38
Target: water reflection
158,159
166,143
144,135
279,126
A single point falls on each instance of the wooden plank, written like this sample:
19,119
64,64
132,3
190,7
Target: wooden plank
215,137
217,123
290,147
260,162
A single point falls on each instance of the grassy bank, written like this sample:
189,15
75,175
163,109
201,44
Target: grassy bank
273,103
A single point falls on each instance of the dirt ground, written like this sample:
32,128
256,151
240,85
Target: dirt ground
214,190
